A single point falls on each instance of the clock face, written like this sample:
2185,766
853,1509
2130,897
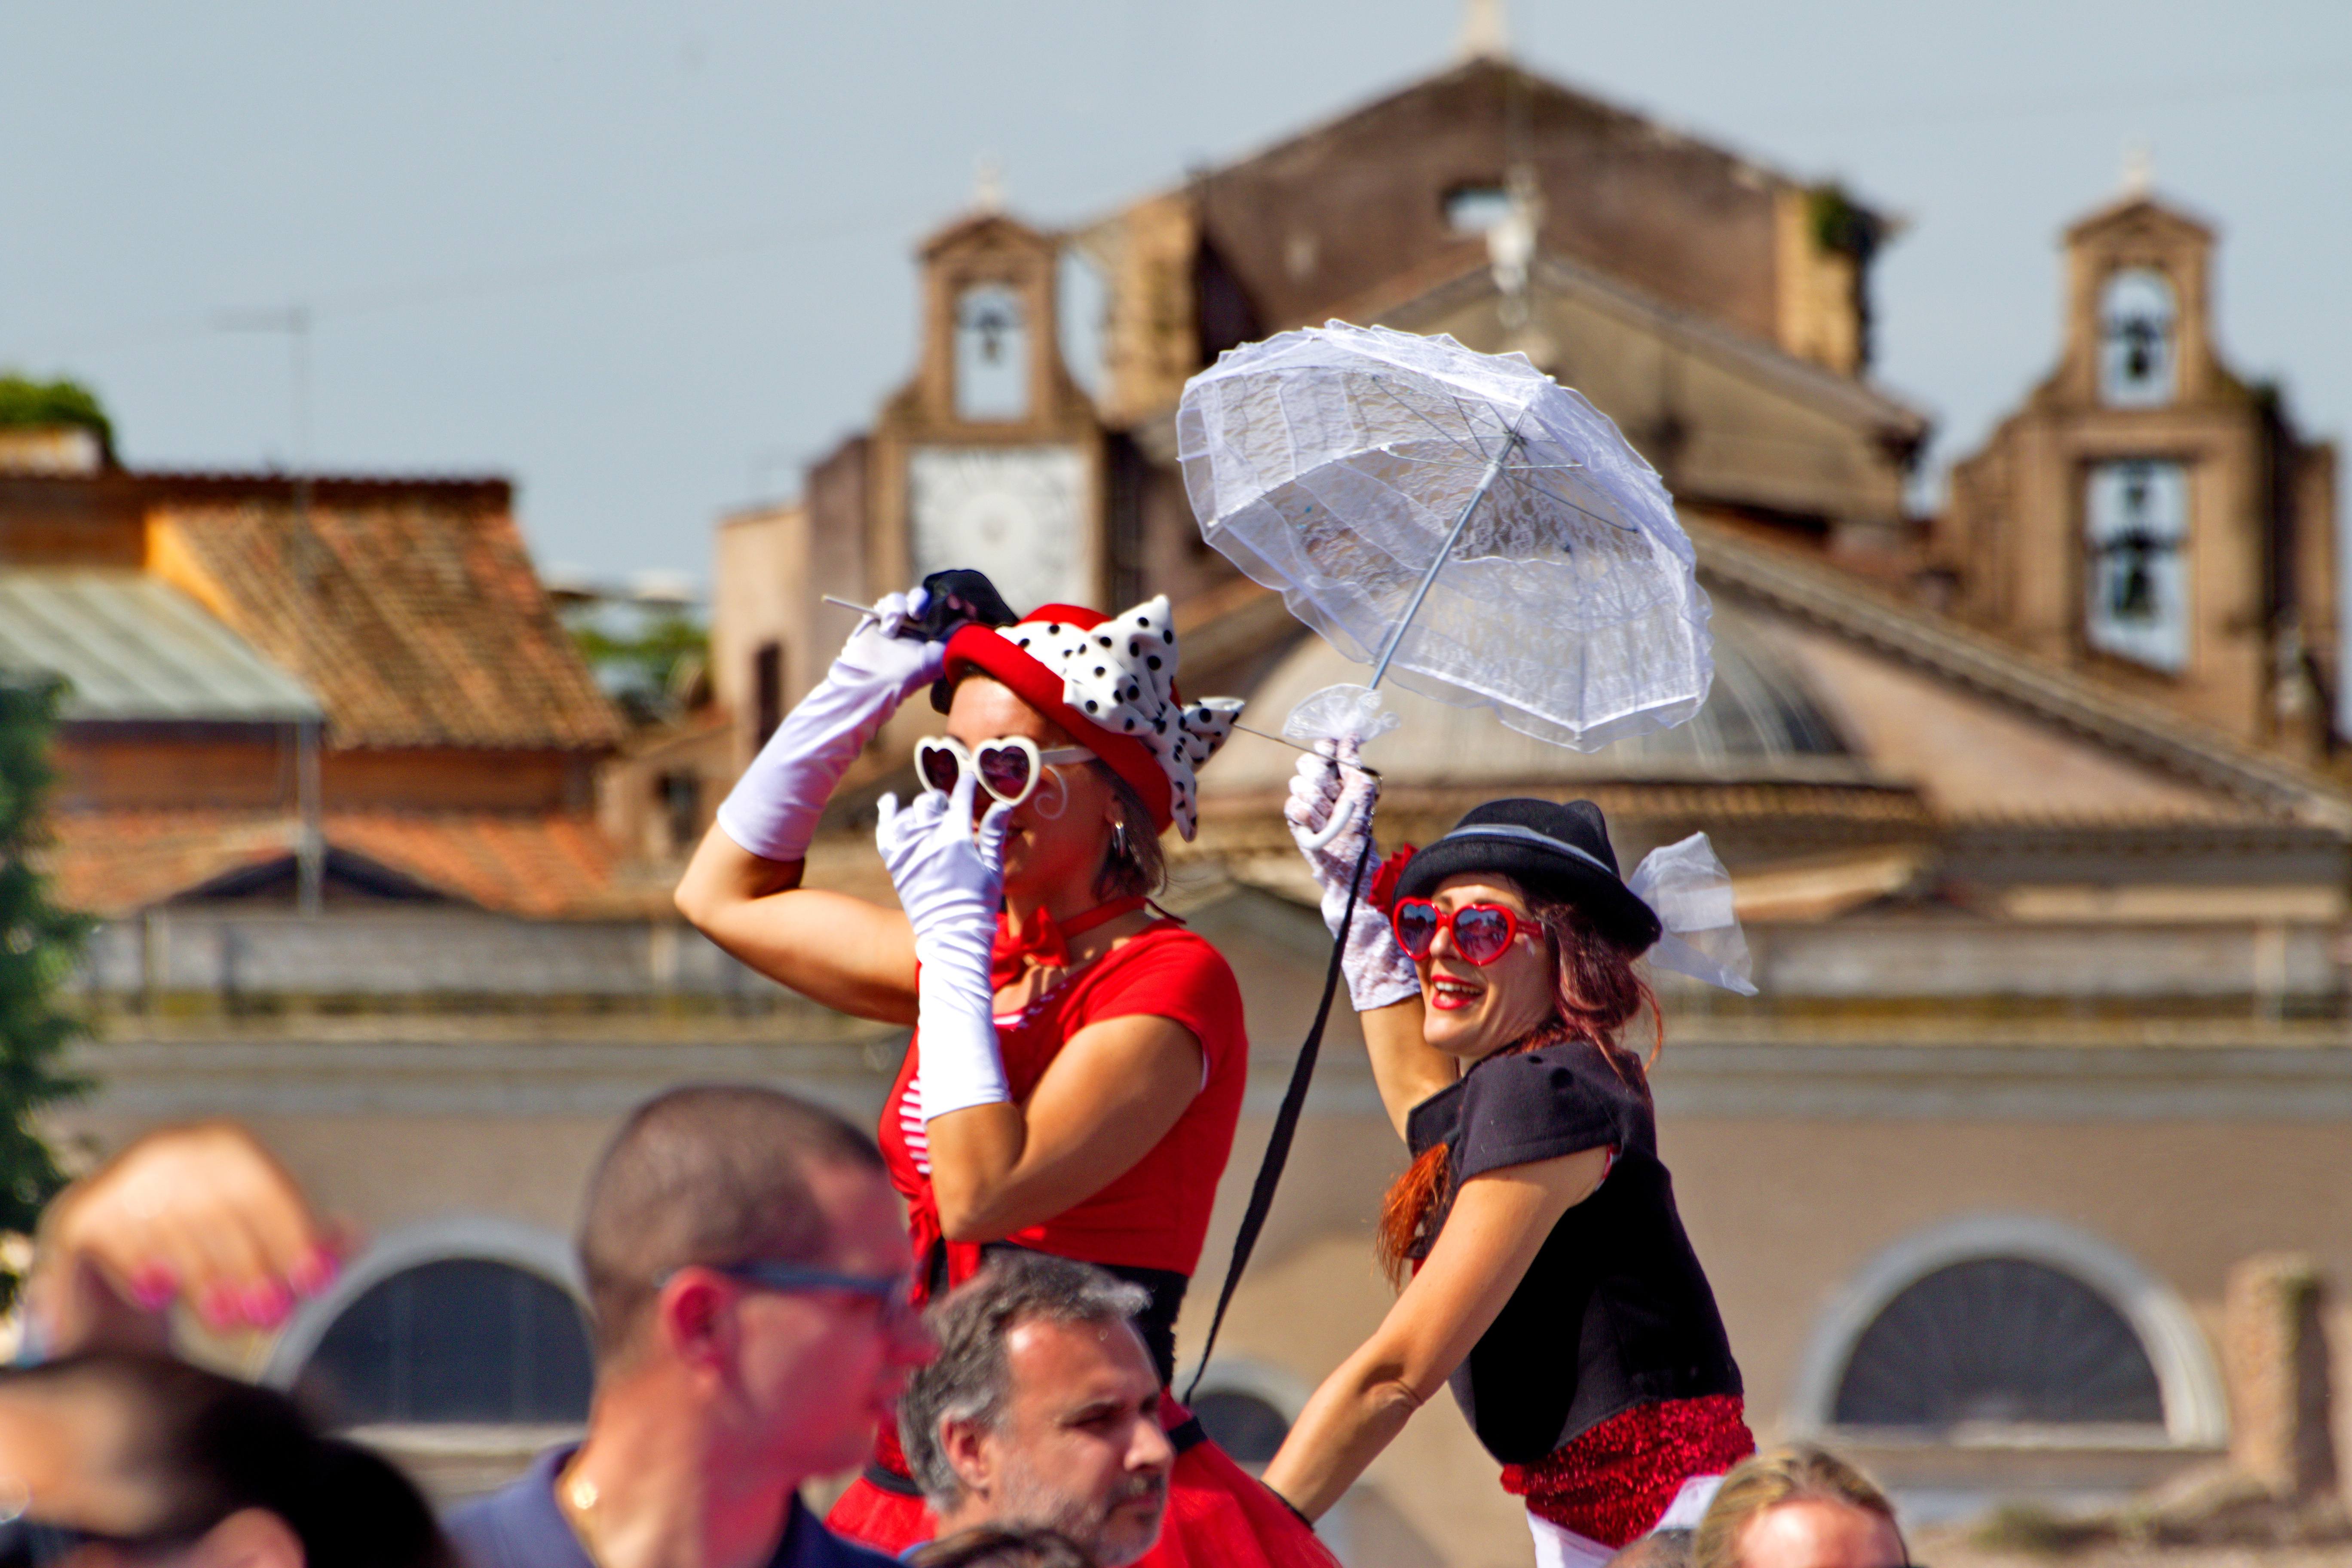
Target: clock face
1012,512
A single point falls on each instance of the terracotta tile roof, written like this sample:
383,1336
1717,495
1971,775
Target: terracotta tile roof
546,867
114,863
416,621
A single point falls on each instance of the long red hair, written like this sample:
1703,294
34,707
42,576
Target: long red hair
1595,994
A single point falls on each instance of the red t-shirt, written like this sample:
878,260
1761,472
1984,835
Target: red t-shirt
1156,1215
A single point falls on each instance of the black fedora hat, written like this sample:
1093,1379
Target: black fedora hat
1555,850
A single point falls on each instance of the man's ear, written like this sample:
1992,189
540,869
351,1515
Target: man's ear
250,1537
971,1452
691,1320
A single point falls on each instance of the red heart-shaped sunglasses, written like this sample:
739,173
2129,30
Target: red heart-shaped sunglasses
1481,932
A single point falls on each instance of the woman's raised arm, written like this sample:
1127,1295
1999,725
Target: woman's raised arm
743,888
853,956
1406,1068
1382,980
1498,1223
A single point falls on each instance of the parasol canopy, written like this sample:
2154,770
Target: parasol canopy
1459,521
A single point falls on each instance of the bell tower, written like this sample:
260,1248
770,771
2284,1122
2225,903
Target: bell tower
991,457
2148,517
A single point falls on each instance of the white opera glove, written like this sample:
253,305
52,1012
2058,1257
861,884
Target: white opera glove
1379,974
773,808
951,882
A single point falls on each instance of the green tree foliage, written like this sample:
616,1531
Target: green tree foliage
1840,224
644,660
24,402
40,944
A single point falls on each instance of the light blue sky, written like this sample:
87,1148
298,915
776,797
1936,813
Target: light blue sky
648,257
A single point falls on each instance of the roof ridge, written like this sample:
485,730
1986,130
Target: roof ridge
1767,355
1441,274
1719,142
1929,638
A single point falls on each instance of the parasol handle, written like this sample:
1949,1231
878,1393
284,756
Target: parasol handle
1445,552
1331,829
1339,823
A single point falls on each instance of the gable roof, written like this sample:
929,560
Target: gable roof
414,622
1277,234
2139,210
1449,283
1503,75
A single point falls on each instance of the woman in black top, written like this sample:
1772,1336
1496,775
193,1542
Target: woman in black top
1552,1282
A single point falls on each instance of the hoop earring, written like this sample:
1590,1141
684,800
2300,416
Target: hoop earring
1118,841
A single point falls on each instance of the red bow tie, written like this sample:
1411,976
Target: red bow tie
1046,945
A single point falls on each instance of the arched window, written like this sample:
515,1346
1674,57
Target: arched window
2000,1341
457,1339
1245,1425
2137,347
992,354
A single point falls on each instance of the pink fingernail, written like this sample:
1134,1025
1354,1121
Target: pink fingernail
265,1304
154,1286
314,1272
219,1306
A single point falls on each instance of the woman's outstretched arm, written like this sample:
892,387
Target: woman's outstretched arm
1407,1069
1498,1222
853,956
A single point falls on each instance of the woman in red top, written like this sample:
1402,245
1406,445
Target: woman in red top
1079,1061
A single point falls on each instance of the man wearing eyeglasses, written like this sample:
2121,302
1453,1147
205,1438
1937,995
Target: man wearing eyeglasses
746,1265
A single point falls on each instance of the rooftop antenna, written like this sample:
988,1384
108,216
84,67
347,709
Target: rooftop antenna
1486,33
310,846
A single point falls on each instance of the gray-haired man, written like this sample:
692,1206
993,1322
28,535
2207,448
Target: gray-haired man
1041,1409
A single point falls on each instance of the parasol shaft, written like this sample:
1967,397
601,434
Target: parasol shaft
1444,552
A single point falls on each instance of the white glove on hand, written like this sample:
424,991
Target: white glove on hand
951,883
773,808
1379,974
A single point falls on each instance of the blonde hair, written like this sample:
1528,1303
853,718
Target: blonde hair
1794,1472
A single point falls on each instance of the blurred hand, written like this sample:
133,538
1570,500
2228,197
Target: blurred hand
201,1215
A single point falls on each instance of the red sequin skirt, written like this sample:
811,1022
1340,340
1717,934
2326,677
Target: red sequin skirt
1610,1482
1219,1515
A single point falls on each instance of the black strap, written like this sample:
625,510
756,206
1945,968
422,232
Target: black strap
882,1478
1285,1123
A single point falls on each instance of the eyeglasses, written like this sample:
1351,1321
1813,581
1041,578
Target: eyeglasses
894,1291
1481,932
31,1543
1008,767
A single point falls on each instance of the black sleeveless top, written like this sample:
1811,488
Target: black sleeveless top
1615,1312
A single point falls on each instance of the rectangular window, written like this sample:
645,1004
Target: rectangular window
767,690
2135,522
680,795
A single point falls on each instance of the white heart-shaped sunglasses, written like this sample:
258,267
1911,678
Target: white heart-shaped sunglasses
1008,767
